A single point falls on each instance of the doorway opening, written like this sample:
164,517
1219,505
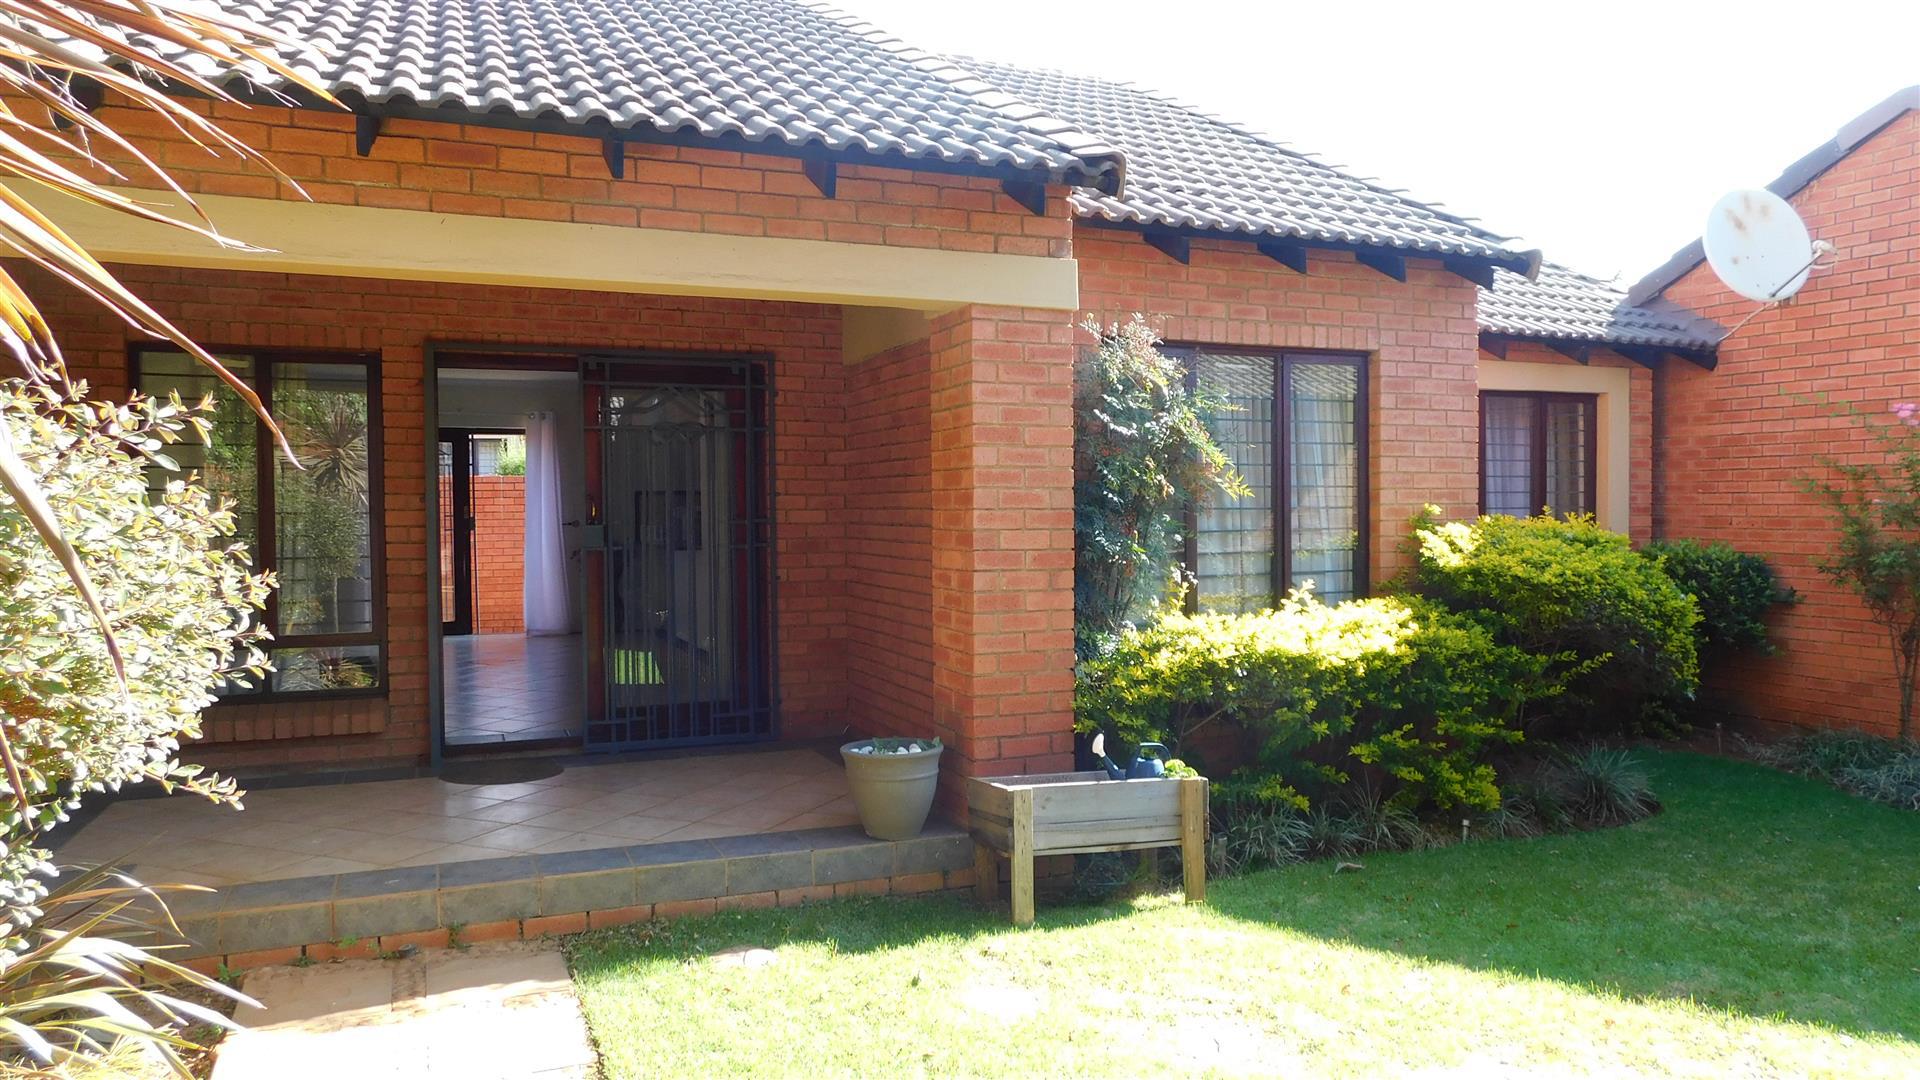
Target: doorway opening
510,469
606,546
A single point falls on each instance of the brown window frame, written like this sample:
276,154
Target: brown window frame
1538,459
264,549
1190,354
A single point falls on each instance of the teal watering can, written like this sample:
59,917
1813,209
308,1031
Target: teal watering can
1148,763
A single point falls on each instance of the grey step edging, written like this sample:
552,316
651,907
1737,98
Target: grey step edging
367,904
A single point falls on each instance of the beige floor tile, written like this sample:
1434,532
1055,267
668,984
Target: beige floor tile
640,826
700,830
815,821
325,864
460,853
559,798
452,830
576,818
506,813
749,818
579,842
517,838
498,791
390,850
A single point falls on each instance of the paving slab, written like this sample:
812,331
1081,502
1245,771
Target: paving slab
490,1012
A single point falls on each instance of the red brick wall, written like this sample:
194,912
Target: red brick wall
1002,541
397,318
1735,442
491,172
1420,335
889,544
499,552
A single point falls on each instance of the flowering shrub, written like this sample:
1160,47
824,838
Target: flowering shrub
182,604
1875,506
1614,631
1143,455
1307,696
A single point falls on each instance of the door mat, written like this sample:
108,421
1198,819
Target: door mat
500,770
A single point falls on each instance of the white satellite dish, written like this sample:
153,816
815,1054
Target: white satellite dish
1758,245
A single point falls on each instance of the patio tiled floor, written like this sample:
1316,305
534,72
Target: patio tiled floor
512,688
343,828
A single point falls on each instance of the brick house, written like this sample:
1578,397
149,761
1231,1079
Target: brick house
802,303
1734,442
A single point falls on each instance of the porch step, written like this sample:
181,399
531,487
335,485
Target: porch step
370,911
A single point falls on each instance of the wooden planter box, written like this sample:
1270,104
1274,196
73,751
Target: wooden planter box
1023,817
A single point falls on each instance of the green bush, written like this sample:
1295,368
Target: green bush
1305,696
1733,590
1615,632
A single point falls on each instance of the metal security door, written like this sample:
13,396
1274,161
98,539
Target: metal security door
678,553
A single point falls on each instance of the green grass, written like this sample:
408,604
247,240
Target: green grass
1763,924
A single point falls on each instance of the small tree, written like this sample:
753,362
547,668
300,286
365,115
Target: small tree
1142,454
1875,507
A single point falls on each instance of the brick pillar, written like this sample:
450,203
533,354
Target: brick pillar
1002,446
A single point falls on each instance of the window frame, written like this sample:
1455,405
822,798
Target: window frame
1190,354
264,548
1538,450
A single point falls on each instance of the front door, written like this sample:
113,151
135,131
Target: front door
678,552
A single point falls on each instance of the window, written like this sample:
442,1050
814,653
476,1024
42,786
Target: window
1296,431
314,526
1536,453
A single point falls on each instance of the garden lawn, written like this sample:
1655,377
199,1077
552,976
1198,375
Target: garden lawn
1762,925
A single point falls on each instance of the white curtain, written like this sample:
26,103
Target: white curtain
544,589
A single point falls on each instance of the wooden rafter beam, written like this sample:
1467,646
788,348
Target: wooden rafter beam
822,174
1577,351
614,149
1291,256
366,129
1030,194
1479,273
1173,245
1493,345
1394,266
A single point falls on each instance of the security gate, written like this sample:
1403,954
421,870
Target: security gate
678,552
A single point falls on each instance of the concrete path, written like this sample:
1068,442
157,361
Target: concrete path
492,1011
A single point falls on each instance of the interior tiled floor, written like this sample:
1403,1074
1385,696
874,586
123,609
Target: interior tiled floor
511,687
342,828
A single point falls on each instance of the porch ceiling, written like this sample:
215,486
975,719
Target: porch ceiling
359,241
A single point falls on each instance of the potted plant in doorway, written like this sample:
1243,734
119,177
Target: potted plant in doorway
893,781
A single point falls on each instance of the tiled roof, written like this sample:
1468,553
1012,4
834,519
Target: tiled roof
1189,171
1562,305
1192,171
764,71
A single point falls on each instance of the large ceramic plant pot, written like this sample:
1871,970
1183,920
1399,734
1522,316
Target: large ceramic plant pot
893,781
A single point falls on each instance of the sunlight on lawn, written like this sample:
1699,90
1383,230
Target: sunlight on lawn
1761,926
